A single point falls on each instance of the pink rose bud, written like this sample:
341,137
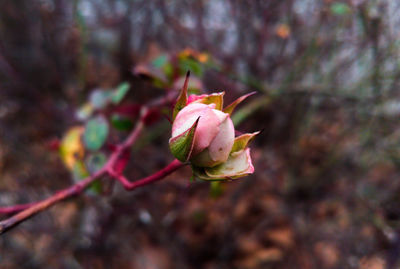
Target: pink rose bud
214,135
203,134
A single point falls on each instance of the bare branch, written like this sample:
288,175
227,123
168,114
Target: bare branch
29,210
174,165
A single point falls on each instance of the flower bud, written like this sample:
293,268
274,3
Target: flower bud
203,134
214,135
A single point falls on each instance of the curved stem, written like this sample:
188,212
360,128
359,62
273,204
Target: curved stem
173,166
11,222
29,210
76,189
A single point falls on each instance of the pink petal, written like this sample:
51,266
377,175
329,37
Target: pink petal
207,127
220,147
195,97
222,144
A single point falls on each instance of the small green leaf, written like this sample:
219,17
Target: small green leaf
96,187
340,9
79,171
242,141
95,162
160,61
168,70
182,145
121,123
182,99
96,132
229,109
99,98
119,93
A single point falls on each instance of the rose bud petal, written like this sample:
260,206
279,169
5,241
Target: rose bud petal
214,135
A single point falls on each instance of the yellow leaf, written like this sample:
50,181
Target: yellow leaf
71,148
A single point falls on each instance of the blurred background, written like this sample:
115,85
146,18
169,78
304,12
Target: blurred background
325,193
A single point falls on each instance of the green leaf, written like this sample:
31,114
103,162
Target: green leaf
96,187
182,99
182,145
160,61
229,109
242,141
99,98
121,123
119,93
168,70
192,65
96,132
340,9
95,162
79,171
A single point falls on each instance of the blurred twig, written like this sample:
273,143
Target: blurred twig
34,208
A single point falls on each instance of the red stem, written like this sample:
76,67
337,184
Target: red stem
29,210
173,166
75,189
14,209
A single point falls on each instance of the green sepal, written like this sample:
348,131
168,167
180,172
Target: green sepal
214,98
238,165
181,146
199,172
182,99
242,141
229,109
